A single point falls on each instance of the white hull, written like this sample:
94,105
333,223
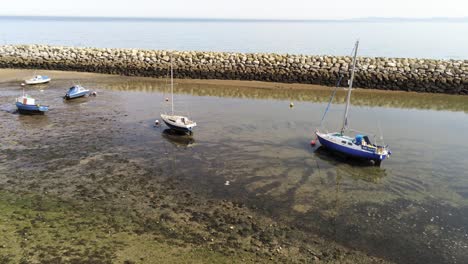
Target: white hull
37,81
180,123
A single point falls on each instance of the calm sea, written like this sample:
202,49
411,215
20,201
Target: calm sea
438,40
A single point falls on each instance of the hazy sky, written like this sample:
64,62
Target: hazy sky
259,9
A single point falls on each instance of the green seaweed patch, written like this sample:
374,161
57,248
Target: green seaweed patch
42,229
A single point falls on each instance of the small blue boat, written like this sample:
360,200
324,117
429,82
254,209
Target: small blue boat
27,105
76,91
358,146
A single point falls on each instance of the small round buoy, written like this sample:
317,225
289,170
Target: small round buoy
313,142
156,122
93,93
167,99
22,84
291,105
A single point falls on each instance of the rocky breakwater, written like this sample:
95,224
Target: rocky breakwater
421,75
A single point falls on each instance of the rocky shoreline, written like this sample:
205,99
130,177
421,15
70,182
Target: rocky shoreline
419,75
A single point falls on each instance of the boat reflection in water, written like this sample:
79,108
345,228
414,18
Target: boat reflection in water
354,167
179,139
299,93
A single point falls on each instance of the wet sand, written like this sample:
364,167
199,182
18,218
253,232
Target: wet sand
255,89
7,75
80,184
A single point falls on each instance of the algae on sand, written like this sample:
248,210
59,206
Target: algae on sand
39,229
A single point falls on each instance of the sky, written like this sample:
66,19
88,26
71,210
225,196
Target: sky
239,9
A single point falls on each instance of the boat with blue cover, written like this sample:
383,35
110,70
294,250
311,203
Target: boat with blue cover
38,79
359,145
27,105
76,91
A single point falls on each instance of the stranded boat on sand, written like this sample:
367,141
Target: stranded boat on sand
27,105
76,91
38,79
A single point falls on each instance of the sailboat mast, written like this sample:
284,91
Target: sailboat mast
172,89
348,98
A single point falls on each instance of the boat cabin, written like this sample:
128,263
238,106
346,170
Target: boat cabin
362,140
76,89
180,120
26,100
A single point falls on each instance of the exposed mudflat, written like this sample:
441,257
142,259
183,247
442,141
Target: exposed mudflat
93,181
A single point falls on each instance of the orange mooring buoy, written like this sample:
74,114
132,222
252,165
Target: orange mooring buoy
313,142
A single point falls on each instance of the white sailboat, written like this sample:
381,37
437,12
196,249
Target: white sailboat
177,122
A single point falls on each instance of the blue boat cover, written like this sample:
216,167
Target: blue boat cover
359,139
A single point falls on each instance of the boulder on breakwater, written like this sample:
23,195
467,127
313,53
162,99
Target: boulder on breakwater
420,75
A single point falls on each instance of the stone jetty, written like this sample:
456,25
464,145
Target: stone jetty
420,75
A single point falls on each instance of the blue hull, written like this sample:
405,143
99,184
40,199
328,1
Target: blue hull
31,109
76,95
350,151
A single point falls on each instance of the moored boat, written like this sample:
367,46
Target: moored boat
177,122
27,105
38,79
76,91
358,146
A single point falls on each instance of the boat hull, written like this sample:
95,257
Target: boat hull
177,123
32,82
348,151
31,109
76,95
178,128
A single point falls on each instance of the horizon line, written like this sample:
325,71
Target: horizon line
207,19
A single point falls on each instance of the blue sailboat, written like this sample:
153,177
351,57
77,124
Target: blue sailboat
359,145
